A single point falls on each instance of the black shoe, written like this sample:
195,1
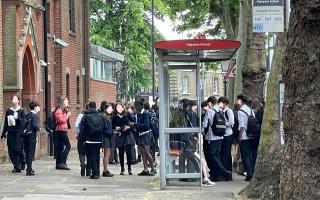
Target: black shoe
248,179
107,174
16,171
62,167
122,172
139,160
30,173
83,171
94,177
88,173
113,163
228,177
66,167
145,173
23,166
130,172
158,154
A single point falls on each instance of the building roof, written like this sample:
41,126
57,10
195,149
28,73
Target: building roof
101,53
202,49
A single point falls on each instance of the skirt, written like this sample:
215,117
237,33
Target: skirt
146,139
124,140
106,142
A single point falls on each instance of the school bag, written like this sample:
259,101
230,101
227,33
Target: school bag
27,125
154,124
219,124
235,128
51,121
94,124
253,128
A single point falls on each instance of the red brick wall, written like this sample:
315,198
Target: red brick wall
102,91
2,153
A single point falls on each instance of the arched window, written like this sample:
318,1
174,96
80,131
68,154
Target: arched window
185,84
215,85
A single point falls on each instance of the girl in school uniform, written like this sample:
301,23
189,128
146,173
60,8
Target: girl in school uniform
124,137
145,138
106,109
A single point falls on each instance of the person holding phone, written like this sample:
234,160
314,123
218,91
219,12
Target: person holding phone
124,137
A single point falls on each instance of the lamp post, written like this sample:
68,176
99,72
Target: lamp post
152,51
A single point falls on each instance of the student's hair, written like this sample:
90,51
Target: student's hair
103,106
124,113
184,103
139,105
236,107
146,106
33,104
192,103
255,104
60,100
243,98
92,105
204,104
223,100
212,100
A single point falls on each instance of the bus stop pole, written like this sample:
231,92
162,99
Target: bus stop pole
199,99
162,123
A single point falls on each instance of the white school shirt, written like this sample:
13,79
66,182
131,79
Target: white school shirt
229,121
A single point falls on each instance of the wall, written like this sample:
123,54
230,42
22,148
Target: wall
102,91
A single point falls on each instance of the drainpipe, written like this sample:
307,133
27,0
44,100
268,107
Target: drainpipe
46,88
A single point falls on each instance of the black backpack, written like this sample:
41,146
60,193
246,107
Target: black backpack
235,128
253,128
94,125
27,125
154,124
51,121
219,124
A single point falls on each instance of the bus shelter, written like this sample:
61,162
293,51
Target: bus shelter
180,74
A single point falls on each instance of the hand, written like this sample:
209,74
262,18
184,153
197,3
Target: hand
3,136
69,114
118,128
131,124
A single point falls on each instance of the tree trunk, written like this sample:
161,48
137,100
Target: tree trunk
265,183
300,174
251,56
227,22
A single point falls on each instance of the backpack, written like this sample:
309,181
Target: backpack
253,128
154,123
94,125
219,124
51,121
235,128
27,125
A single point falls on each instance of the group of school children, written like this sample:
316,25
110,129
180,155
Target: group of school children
116,127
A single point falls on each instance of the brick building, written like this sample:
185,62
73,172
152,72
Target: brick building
103,62
22,31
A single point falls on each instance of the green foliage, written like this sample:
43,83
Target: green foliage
125,26
206,14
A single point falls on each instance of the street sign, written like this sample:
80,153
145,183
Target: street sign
268,16
231,74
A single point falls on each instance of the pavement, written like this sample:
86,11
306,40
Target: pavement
51,184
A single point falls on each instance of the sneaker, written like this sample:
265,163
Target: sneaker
30,173
248,179
154,172
207,183
107,174
145,173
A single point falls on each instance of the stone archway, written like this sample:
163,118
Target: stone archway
29,92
